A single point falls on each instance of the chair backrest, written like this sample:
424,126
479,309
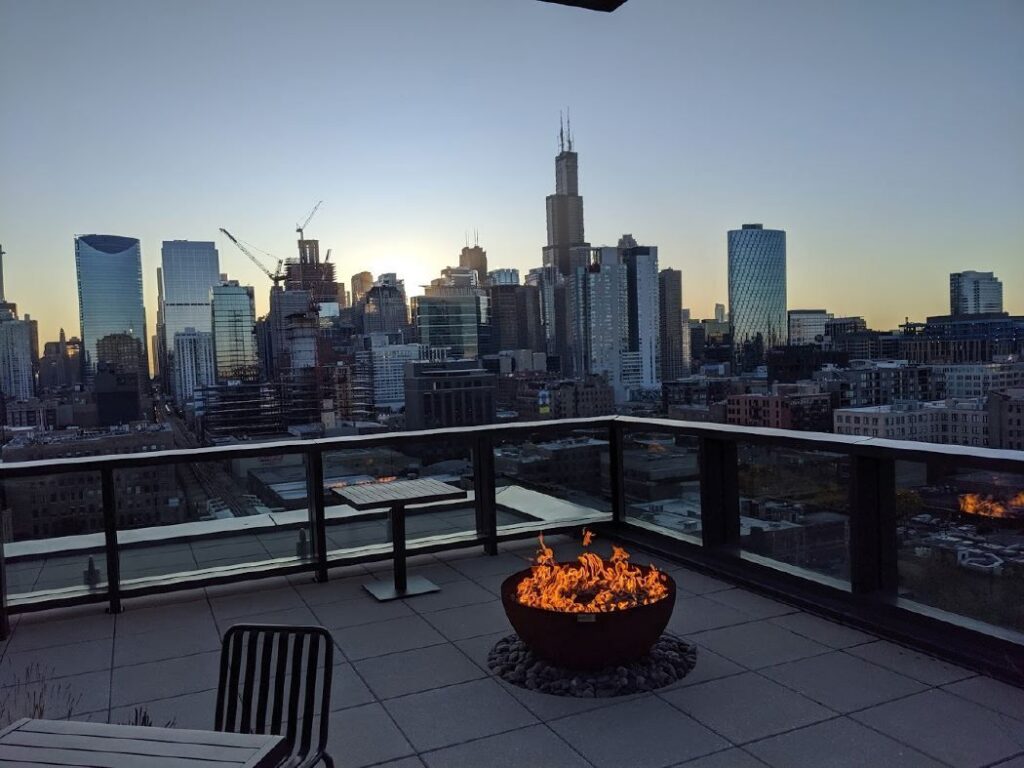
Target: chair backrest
270,678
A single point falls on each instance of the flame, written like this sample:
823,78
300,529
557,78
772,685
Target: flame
588,536
987,506
592,585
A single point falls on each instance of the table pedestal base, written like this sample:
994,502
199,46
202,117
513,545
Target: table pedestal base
385,590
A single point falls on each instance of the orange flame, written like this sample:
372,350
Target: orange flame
590,586
986,506
588,536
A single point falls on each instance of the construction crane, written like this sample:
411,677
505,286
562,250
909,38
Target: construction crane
301,228
275,277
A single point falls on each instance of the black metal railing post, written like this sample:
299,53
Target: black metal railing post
317,521
616,471
719,494
397,516
873,545
484,493
110,539
5,622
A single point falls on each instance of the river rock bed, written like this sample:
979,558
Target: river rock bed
670,659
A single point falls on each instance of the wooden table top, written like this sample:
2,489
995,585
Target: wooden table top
64,743
375,495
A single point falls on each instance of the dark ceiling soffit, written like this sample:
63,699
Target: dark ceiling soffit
593,5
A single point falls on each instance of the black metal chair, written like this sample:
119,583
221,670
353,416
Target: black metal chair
271,679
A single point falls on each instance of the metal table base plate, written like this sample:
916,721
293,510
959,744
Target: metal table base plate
416,585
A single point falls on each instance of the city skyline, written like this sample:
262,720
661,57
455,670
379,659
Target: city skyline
882,194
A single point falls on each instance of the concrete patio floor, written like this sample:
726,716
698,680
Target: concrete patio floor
773,685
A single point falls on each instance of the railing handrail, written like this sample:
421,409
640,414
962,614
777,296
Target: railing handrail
853,445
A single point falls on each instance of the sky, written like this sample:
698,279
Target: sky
885,136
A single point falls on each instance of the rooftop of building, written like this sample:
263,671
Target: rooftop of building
773,685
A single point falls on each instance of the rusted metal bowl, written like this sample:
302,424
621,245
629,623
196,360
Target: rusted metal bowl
588,641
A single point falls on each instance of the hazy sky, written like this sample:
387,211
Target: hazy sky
885,136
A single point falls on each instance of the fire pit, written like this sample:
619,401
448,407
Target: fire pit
589,614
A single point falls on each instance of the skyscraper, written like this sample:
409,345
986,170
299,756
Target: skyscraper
189,269
475,258
109,270
16,363
361,284
644,317
757,292
670,306
974,293
234,345
565,250
807,326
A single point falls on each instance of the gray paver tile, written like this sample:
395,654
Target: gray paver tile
667,735
164,679
383,637
1017,762
478,648
549,708
843,682
698,583
365,735
826,632
992,694
730,758
698,614
360,610
470,620
758,644
710,666
534,746
752,604
507,564
155,646
173,619
948,728
458,713
838,743
263,600
191,710
452,595
298,615
35,632
56,662
421,669
348,688
913,664
747,707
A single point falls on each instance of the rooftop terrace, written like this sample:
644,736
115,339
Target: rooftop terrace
773,685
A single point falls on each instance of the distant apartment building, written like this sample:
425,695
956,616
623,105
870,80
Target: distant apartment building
977,379
1006,418
515,317
17,379
194,365
876,382
807,326
949,422
188,270
543,397
450,393
974,293
503,276
788,407
979,338
72,503
361,285
558,465
378,377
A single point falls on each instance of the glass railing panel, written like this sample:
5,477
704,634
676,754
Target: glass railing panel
550,478
208,517
961,540
447,460
794,507
661,481
52,529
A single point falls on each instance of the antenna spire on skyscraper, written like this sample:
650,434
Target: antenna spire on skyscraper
568,126
561,132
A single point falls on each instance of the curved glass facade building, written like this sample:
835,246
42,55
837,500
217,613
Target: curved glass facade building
757,292
109,270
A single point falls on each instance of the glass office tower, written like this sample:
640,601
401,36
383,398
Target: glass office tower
234,343
757,292
109,269
190,269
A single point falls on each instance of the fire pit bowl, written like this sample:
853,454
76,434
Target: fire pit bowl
588,641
